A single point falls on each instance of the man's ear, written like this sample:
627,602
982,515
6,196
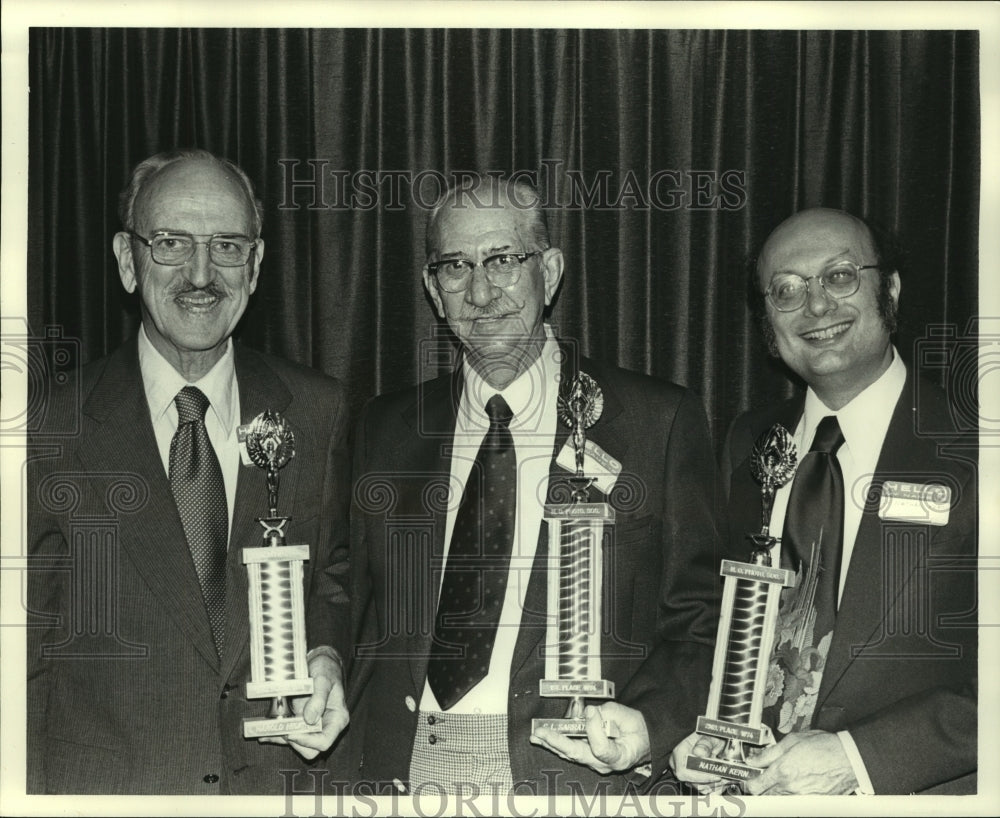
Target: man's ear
552,270
895,286
122,246
258,254
431,286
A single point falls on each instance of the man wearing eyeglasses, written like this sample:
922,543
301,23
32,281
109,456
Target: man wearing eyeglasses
872,682
451,592
154,704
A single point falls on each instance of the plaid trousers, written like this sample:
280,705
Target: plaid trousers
461,754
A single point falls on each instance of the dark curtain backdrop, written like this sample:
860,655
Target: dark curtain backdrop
739,129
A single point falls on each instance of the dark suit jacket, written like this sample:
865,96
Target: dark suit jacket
901,671
660,574
126,693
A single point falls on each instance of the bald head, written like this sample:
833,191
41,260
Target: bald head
808,230
837,345
156,167
505,198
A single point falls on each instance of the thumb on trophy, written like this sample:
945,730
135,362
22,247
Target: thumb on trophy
617,735
703,747
326,705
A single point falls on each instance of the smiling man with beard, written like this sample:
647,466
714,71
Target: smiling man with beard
449,547
139,654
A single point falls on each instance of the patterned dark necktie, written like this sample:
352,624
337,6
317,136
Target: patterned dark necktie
475,574
200,494
812,538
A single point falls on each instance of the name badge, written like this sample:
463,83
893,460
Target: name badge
241,437
597,463
928,503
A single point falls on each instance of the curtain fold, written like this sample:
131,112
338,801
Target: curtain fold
667,156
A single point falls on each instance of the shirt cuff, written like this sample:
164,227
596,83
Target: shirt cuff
857,764
325,650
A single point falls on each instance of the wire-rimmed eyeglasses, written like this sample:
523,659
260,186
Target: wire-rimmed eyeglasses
789,291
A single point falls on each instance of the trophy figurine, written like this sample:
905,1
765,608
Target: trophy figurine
750,600
277,609
576,533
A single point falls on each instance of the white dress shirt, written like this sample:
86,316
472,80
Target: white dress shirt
162,382
532,398
864,423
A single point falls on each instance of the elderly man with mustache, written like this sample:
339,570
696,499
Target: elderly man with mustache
449,546
139,647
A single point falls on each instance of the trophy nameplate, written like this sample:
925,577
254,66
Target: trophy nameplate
278,666
750,600
575,567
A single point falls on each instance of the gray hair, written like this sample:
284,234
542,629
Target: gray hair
502,192
148,168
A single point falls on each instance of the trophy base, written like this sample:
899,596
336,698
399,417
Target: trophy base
565,727
739,732
730,770
282,726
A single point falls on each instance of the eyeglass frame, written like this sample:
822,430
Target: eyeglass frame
149,243
806,279
433,267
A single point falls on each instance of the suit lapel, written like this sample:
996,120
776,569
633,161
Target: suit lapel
260,389
431,424
153,539
865,605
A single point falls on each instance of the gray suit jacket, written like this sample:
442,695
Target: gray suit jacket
126,693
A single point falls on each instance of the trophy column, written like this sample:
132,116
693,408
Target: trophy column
576,537
277,608
750,600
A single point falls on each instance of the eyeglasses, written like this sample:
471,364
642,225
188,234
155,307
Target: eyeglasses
789,291
502,270
224,249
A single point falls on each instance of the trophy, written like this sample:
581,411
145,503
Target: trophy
750,600
576,532
277,610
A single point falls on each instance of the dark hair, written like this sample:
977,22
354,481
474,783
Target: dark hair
889,255
148,168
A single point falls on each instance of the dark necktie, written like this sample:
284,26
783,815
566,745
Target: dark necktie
812,538
816,516
475,574
196,483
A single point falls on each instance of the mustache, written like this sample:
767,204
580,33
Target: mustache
211,289
495,309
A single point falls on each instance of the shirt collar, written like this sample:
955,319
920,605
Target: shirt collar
162,382
865,420
525,395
